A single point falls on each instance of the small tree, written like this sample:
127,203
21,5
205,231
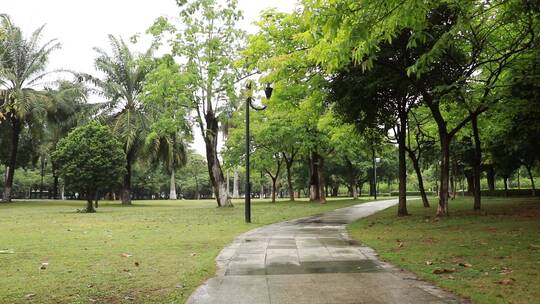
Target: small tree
89,159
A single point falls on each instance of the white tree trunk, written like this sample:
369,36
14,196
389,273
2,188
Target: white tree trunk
228,184
62,192
236,193
172,193
6,175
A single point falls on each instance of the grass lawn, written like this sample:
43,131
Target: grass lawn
492,256
152,252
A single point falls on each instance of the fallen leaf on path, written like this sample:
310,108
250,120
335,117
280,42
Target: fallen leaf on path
30,295
193,254
509,281
43,266
126,255
443,270
429,263
137,264
534,247
466,265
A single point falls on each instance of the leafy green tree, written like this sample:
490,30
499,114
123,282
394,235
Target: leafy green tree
68,110
22,66
378,98
463,49
124,73
90,159
169,129
298,88
193,179
209,42
421,142
350,149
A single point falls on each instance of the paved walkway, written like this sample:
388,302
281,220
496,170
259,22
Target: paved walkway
312,260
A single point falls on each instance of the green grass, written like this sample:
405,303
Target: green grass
172,246
501,243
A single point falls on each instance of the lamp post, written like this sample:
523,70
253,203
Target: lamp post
43,165
249,104
375,162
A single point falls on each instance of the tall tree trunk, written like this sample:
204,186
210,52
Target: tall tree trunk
274,179
197,193
172,189
335,191
274,190
228,182
491,178
352,186
453,181
290,187
55,185
126,187
402,202
505,179
518,178
214,167
90,205
236,194
96,199
531,177
445,139
476,163
315,186
90,196
322,182
416,166
16,126
470,182
373,182
62,192
353,179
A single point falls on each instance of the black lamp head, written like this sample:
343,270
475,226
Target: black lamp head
268,91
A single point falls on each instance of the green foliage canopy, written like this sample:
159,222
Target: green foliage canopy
90,159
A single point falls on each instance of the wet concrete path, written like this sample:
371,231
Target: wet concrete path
312,260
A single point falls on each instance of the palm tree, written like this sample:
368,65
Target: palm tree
169,149
22,66
122,86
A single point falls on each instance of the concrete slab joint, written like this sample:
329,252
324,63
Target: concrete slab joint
312,260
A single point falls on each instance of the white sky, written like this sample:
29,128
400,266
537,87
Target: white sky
81,25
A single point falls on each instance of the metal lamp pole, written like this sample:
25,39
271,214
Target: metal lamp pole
375,162
249,104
